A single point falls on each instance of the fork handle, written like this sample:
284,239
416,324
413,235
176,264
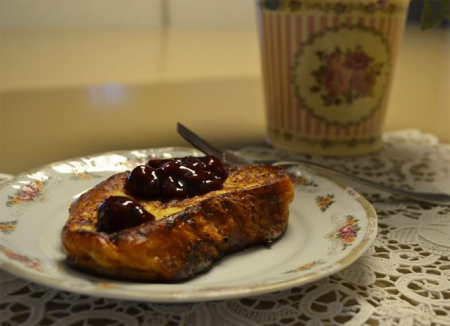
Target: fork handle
431,198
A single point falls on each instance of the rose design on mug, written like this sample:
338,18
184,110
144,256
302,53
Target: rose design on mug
345,76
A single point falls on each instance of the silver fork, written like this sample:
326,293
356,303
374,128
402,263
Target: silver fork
233,159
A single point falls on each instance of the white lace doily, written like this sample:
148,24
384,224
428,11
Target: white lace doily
404,278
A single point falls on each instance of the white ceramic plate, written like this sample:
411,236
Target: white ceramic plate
330,226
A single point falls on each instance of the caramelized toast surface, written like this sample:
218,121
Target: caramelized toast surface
188,235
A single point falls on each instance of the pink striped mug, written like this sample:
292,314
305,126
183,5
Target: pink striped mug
327,70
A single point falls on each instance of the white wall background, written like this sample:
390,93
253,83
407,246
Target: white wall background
124,13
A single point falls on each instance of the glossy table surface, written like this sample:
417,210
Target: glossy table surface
68,93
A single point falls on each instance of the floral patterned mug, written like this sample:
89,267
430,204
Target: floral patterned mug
327,70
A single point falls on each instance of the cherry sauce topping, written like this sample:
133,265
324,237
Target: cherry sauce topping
183,177
177,177
118,213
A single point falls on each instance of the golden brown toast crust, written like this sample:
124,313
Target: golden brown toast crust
188,234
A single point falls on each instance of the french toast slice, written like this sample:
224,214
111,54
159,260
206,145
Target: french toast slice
187,235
